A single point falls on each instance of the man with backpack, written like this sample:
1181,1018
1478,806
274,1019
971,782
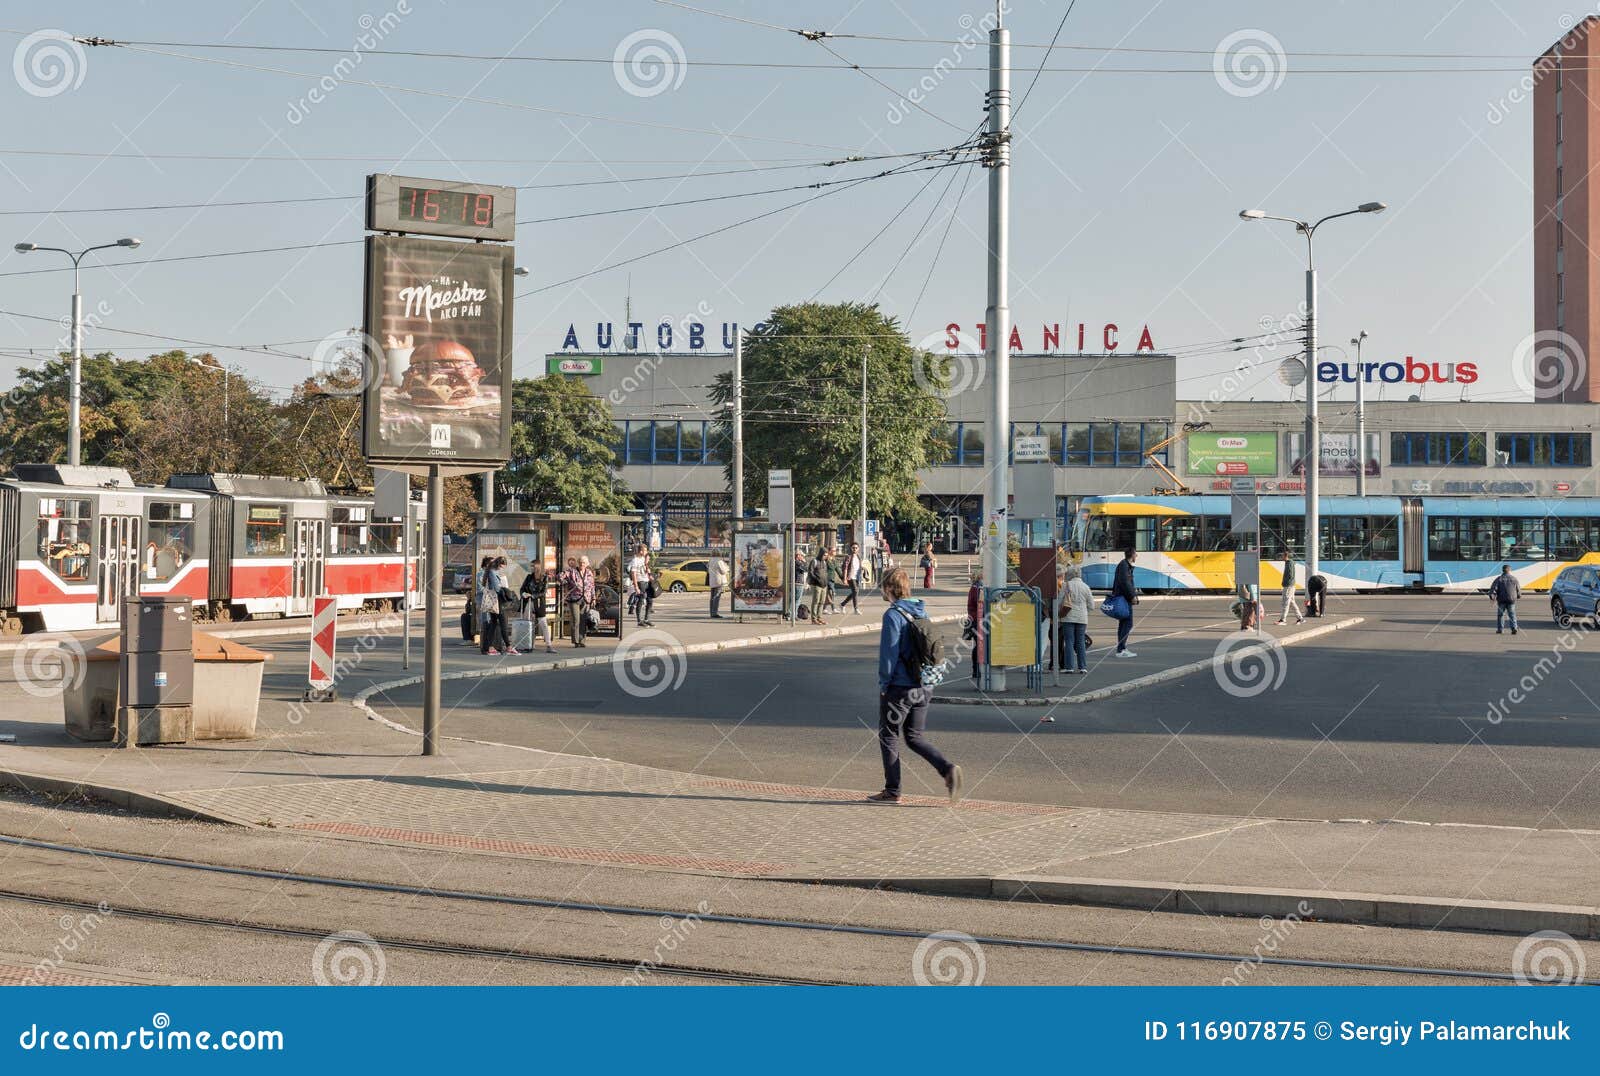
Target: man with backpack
908,649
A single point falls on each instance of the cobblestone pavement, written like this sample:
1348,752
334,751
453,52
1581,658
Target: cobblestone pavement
592,810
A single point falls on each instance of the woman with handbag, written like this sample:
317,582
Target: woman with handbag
535,603
1076,597
491,595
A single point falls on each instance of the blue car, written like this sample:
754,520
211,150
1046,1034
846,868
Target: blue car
1576,594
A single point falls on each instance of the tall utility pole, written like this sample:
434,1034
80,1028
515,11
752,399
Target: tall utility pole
861,529
997,158
1361,418
738,427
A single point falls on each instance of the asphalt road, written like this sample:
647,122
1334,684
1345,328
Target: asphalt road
1414,715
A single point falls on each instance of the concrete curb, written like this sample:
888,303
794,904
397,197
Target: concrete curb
1140,682
1378,909
147,803
359,700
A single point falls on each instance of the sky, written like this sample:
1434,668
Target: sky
1126,186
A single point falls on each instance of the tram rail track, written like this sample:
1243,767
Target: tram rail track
625,910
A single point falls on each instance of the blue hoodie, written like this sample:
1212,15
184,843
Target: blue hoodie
892,668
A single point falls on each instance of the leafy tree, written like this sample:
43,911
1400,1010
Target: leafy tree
802,410
561,437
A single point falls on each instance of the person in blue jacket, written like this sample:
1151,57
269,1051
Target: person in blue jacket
902,700
1122,586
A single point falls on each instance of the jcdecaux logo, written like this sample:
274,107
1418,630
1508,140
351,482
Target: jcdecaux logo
1393,373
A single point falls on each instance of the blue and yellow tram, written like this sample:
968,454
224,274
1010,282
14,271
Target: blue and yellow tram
1368,543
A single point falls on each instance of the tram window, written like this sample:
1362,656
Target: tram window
1217,533
265,531
1180,534
1522,539
1444,538
1344,537
1383,538
1478,538
169,540
1281,534
1097,534
65,543
1113,534
1571,538
386,536
351,529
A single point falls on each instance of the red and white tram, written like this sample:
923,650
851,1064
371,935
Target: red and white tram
74,541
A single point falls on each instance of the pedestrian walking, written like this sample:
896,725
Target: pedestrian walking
536,603
644,585
1317,595
817,579
577,584
1505,590
972,630
927,564
1072,653
1248,600
1291,572
853,568
1122,587
902,700
716,579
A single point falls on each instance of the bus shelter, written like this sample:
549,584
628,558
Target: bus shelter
554,538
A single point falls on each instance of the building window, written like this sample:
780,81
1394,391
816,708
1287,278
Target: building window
692,442
971,444
1438,449
64,543
639,442
952,444
1543,449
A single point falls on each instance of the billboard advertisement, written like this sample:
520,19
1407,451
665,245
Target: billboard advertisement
1229,454
438,327
1338,458
760,571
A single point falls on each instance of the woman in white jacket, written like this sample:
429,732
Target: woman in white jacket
1076,598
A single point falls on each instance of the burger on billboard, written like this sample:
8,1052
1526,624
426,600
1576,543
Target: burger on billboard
441,314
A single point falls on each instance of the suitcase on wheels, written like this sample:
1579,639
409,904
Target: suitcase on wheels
469,630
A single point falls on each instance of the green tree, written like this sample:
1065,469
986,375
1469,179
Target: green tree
802,410
561,437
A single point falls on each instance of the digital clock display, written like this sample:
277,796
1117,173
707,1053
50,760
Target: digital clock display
431,205
410,205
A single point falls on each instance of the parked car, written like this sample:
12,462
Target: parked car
684,575
459,581
1576,594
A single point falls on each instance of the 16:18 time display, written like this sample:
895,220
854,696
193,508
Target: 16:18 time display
457,207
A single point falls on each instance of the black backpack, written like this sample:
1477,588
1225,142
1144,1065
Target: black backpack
925,652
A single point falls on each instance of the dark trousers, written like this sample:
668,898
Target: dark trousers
903,711
716,601
643,609
852,599
494,633
1316,597
1124,629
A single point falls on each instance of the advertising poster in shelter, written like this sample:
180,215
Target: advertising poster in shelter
759,572
601,542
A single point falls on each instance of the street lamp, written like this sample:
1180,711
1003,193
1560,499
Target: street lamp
1313,435
74,425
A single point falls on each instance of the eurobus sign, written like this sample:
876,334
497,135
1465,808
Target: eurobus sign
1410,372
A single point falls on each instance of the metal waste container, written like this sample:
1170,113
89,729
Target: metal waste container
156,690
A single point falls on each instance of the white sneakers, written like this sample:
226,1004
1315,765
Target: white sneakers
1126,654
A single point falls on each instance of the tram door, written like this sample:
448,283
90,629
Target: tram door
1413,538
119,565
310,538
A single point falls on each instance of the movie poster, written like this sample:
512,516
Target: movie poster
438,325
759,572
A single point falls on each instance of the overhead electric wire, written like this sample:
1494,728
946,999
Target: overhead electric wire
736,224
1044,59
494,102
609,182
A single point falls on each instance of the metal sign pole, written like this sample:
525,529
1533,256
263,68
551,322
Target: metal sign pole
405,585
433,636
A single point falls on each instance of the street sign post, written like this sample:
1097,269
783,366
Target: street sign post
324,631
